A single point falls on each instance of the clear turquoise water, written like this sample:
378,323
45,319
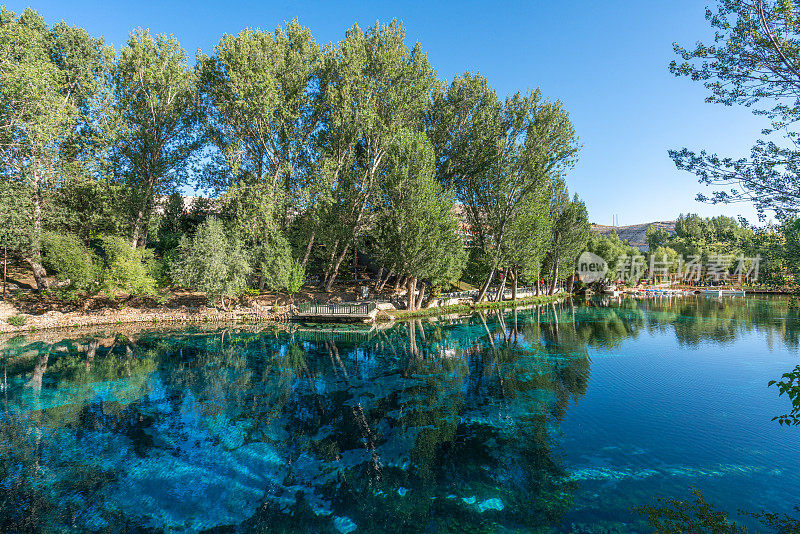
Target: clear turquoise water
553,419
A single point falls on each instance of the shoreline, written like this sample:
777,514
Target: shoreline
55,320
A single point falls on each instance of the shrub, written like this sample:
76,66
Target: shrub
70,260
212,262
127,269
17,320
296,278
273,259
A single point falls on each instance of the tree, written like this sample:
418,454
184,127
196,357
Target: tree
417,230
755,62
34,119
372,87
570,232
259,91
170,224
155,95
296,278
529,240
609,247
251,212
494,155
213,262
656,236
85,200
126,268
71,260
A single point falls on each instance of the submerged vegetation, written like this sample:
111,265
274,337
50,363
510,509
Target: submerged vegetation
455,423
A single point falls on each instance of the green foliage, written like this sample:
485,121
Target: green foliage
529,238
656,237
127,269
155,99
502,159
17,320
70,259
571,232
417,230
260,109
777,247
752,63
170,224
332,150
789,384
297,277
609,247
213,262
673,516
373,88
273,261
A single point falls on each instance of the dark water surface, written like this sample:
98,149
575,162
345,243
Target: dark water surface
551,419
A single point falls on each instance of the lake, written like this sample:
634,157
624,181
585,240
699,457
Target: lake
557,418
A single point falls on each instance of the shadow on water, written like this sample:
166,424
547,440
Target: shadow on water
446,425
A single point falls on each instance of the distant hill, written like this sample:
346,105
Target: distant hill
634,233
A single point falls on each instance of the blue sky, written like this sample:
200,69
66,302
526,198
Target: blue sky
607,61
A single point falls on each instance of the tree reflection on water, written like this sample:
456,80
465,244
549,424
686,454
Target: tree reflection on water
438,425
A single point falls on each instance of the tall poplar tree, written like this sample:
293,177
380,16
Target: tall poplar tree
35,118
496,155
416,228
372,87
570,233
259,92
155,93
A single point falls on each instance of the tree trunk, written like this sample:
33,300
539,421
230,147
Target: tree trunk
400,281
421,295
308,248
485,287
500,290
39,274
137,226
412,287
355,266
555,278
379,277
383,282
514,287
35,258
142,218
339,260
330,262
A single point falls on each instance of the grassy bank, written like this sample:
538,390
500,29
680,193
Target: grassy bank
467,308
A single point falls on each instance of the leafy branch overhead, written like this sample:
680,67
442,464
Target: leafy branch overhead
753,62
